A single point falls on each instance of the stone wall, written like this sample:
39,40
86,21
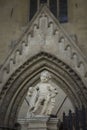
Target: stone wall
77,24
13,18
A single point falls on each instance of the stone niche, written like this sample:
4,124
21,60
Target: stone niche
44,101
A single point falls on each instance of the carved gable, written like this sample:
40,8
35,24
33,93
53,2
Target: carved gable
45,34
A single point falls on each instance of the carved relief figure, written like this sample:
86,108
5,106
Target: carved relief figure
42,96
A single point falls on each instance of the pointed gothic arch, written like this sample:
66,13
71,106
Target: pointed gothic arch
28,75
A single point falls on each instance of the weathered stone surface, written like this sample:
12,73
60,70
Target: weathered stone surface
39,123
44,46
45,35
42,96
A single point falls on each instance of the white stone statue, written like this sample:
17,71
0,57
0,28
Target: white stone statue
42,96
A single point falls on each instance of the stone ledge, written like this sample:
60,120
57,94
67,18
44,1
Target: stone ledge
40,123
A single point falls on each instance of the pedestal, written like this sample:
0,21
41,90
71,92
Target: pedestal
39,123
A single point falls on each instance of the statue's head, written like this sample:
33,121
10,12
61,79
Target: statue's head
45,76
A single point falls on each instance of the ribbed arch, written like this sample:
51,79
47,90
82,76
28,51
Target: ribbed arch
28,75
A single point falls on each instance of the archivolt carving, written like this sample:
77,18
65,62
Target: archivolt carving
27,75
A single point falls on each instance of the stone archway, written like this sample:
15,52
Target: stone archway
28,75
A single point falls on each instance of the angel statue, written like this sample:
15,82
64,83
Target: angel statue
42,96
